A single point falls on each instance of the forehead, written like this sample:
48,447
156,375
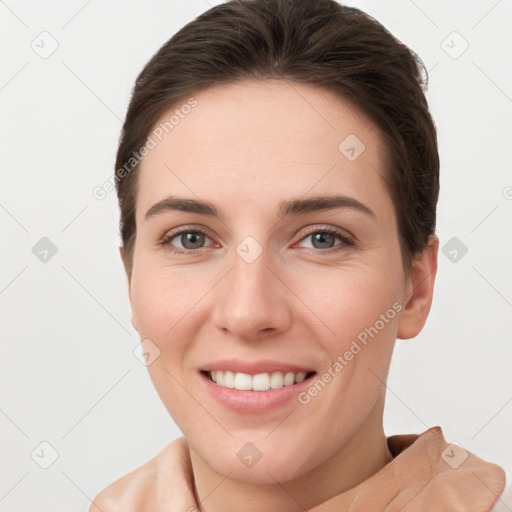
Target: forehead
259,141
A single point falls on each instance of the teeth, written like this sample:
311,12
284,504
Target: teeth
259,382
242,381
300,377
289,378
276,380
229,379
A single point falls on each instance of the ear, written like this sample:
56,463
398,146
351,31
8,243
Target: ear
419,291
128,271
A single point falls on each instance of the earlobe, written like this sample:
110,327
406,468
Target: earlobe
420,291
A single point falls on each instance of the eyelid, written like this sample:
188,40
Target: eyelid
173,233
322,228
347,239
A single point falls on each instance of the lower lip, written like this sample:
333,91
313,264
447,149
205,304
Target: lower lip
254,401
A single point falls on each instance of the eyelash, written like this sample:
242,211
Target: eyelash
345,241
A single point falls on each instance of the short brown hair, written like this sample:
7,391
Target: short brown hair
318,42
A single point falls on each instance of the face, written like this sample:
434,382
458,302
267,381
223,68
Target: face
267,245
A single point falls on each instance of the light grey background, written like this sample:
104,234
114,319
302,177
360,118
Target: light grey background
69,375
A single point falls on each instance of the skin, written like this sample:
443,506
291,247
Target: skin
246,147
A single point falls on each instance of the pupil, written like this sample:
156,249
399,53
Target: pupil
190,239
323,238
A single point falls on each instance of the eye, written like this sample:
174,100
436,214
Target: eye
325,238
186,240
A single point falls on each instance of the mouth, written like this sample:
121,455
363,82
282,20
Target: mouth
254,386
264,381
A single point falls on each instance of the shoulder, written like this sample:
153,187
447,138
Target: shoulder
148,486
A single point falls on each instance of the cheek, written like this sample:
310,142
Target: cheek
351,301
163,304
359,312
164,298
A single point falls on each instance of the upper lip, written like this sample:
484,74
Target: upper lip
254,367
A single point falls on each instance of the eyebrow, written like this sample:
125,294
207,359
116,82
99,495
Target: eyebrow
286,208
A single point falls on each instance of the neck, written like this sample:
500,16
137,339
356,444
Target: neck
362,456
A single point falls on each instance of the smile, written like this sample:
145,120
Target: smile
258,382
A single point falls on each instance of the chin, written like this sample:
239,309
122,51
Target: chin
259,462
262,473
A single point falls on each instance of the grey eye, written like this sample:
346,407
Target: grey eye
322,240
192,240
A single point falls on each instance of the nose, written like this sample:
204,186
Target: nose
251,302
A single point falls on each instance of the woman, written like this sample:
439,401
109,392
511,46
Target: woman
278,175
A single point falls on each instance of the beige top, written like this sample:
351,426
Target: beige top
426,474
